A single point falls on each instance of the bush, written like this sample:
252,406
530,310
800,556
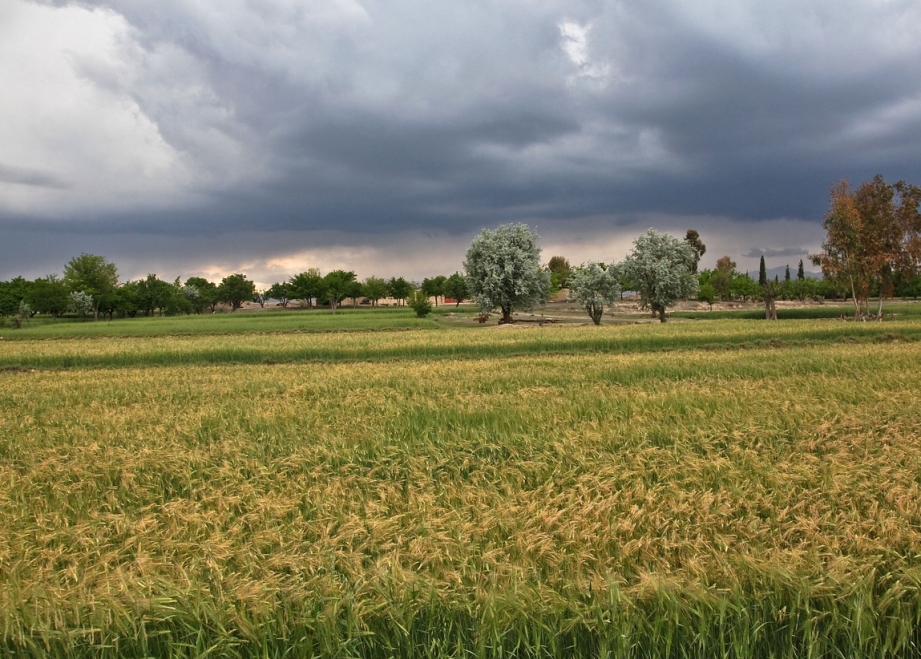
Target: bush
420,303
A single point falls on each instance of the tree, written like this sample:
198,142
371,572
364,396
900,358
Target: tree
456,288
872,235
93,275
434,287
420,303
207,294
800,271
762,272
592,286
722,277
337,286
374,289
49,295
693,239
81,303
307,285
503,270
280,291
235,289
660,265
399,289
560,270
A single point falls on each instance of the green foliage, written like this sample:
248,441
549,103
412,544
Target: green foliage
592,286
93,275
456,288
660,265
207,294
235,289
12,293
399,289
50,296
560,270
307,286
692,238
434,287
420,303
706,293
503,270
374,289
338,285
280,291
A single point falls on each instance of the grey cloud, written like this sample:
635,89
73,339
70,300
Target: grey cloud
404,117
27,176
755,252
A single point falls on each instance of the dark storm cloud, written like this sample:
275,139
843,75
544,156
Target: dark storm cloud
385,120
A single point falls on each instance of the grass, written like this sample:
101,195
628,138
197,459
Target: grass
704,489
240,322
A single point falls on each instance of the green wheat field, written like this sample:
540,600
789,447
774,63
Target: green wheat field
702,488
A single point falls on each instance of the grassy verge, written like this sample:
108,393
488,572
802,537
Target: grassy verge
687,501
240,322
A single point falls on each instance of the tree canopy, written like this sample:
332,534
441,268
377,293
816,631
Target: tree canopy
592,286
873,235
660,266
93,275
503,270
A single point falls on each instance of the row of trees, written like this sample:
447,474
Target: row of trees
873,240
504,272
90,286
873,246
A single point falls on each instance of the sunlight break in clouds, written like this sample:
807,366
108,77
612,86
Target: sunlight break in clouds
574,42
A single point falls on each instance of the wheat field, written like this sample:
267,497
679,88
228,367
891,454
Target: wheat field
708,489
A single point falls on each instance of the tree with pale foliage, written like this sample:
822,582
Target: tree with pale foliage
660,266
873,234
503,270
592,286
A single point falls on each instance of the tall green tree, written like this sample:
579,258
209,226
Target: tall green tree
399,289
280,291
693,239
762,272
434,287
660,265
337,285
49,295
560,270
503,270
205,295
374,288
307,286
456,288
236,289
93,275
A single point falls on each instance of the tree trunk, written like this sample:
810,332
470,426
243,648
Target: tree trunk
661,314
506,316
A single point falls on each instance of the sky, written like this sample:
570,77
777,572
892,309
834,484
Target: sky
205,137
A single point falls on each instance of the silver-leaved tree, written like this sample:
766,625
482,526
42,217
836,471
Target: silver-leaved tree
660,267
592,286
504,271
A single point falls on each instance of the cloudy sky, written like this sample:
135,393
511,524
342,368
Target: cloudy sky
198,137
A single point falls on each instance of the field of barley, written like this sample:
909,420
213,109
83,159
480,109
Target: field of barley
710,488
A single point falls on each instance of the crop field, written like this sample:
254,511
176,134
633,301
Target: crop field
708,488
